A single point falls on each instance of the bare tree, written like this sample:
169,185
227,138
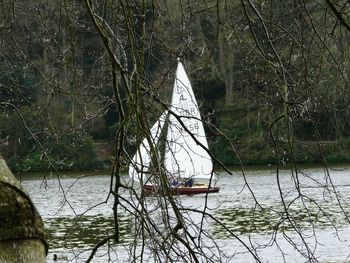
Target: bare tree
289,62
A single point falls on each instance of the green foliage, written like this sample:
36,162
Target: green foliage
30,147
337,152
69,151
247,137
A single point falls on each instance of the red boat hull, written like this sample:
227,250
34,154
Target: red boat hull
151,189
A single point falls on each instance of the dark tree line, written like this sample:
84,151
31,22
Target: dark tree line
250,62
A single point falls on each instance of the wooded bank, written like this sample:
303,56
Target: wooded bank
269,75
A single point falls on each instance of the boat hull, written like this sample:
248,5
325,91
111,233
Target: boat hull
152,189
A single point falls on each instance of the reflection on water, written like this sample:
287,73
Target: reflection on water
81,216
85,231
266,220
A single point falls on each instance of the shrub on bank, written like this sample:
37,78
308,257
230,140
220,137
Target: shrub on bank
69,151
256,152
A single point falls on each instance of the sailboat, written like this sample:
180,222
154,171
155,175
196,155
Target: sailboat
187,164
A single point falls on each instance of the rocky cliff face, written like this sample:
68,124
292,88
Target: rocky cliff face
22,236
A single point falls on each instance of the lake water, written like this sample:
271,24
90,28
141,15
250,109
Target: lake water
77,220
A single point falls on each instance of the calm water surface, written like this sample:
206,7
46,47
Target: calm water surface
77,220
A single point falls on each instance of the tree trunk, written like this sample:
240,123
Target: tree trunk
226,69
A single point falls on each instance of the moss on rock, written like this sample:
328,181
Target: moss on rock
21,227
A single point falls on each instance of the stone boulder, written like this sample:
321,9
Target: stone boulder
22,235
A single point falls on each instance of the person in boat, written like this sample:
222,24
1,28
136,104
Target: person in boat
173,182
189,183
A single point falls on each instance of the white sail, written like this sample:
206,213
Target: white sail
184,156
142,159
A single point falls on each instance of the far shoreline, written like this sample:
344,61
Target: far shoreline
106,172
